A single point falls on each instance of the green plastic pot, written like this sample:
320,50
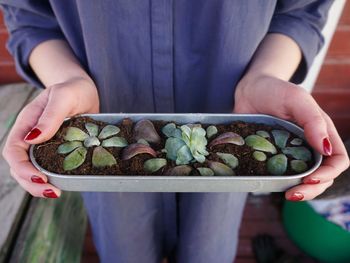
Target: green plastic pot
315,235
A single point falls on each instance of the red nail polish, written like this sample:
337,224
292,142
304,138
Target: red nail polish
49,193
327,147
312,181
37,179
34,133
296,197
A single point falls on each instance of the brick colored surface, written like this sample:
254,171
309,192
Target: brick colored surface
7,69
332,89
340,45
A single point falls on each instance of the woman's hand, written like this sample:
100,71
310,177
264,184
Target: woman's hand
269,95
38,122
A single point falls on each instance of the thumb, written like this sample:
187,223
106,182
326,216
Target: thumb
306,112
57,108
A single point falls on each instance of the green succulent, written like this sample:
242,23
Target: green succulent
185,144
277,164
77,142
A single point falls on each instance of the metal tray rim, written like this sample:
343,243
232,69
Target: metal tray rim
317,156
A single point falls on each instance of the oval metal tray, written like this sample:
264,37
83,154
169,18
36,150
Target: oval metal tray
120,183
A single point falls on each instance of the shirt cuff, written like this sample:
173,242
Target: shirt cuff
22,43
308,39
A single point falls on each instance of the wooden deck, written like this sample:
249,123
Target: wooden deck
33,229
12,197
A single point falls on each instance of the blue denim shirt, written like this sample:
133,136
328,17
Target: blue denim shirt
163,55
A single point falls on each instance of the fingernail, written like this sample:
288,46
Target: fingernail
34,133
312,181
37,179
296,197
49,193
327,147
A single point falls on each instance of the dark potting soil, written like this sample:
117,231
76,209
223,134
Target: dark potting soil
47,157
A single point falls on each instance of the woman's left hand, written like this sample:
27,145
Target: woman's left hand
269,95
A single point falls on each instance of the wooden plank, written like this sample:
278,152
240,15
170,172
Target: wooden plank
12,99
12,198
53,231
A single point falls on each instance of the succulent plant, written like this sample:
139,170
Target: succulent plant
77,142
204,171
260,143
298,166
229,159
299,153
263,134
135,149
144,129
190,147
211,131
153,165
277,164
181,170
281,137
296,142
228,137
259,156
220,169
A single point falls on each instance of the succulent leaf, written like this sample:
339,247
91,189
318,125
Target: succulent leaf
204,171
92,129
75,134
143,141
211,131
115,142
229,159
220,169
261,144
91,141
296,141
172,145
186,134
108,131
181,170
299,153
183,155
228,137
170,130
277,164
263,134
298,166
74,159
198,143
144,129
153,165
102,158
135,149
259,156
67,147
281,137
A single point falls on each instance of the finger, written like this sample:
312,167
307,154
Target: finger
55,111
24,168
306,112
334,165
38,190
305,192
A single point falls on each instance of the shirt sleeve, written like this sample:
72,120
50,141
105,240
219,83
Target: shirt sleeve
302,20
29,23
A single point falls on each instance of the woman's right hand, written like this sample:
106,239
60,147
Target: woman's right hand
38,122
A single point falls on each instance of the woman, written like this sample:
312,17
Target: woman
167,56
